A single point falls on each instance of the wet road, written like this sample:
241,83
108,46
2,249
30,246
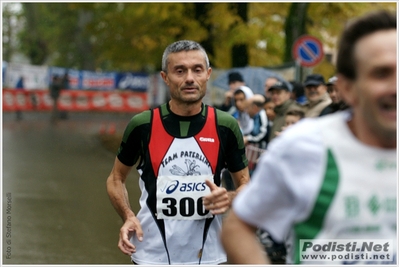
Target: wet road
55,206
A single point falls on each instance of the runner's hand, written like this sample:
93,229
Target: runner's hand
218,200
130,226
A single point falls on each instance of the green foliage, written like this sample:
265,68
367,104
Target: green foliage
131,36
8,32
134,35
329,19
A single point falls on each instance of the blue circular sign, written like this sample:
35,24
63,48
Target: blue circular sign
308,50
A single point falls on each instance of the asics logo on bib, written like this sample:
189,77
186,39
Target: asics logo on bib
171,188
207,139
185,187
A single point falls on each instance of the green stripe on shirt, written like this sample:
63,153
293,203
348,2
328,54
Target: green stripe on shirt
312,226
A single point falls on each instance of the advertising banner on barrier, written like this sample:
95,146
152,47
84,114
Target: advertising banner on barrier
34,77
98,80
75,100
74,76
132,81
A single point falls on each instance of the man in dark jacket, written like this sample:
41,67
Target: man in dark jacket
337,101
281,97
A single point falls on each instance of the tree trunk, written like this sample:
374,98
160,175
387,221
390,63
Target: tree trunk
239,52
201,10
295,26
37,50
82,41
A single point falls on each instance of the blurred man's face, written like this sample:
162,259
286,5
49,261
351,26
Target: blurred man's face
240,102
279,97
269,83
333,92
372,94
269,108
314,92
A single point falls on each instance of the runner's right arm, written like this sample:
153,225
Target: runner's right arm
118,195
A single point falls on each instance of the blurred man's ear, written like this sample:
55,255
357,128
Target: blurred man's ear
346,90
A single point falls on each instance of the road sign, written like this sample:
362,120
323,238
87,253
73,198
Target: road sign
307,50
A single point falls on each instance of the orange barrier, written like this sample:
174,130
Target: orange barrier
75,100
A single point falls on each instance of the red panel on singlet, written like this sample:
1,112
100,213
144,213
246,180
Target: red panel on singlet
160,141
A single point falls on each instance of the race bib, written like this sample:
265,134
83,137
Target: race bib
180,197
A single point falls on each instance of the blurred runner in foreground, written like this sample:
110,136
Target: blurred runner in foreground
332,178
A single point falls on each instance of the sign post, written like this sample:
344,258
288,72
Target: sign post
307,52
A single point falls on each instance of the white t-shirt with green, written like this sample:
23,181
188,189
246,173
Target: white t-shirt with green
317,181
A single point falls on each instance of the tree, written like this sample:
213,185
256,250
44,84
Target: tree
54,33
201,14
32,41
239,53
295,26
8,32
131,36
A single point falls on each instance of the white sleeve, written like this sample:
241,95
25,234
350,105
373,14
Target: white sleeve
285,182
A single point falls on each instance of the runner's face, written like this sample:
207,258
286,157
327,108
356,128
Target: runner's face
187,76
374,89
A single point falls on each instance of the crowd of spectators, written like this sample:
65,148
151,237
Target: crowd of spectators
264,117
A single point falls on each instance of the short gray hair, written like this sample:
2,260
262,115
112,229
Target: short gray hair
183,45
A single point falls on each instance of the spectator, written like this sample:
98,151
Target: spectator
298,92
65,81
256,140
316,95
258,114
269,109
240,94
331,178
19,86
291,117
337,101
268,83
245,122
20,83
281,97
55,89
65,86
235,81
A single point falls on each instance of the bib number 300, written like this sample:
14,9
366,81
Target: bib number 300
187,207
181,199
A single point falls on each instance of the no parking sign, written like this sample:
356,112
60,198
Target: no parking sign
308,51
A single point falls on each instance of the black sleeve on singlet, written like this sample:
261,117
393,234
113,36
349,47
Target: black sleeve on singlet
136,134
